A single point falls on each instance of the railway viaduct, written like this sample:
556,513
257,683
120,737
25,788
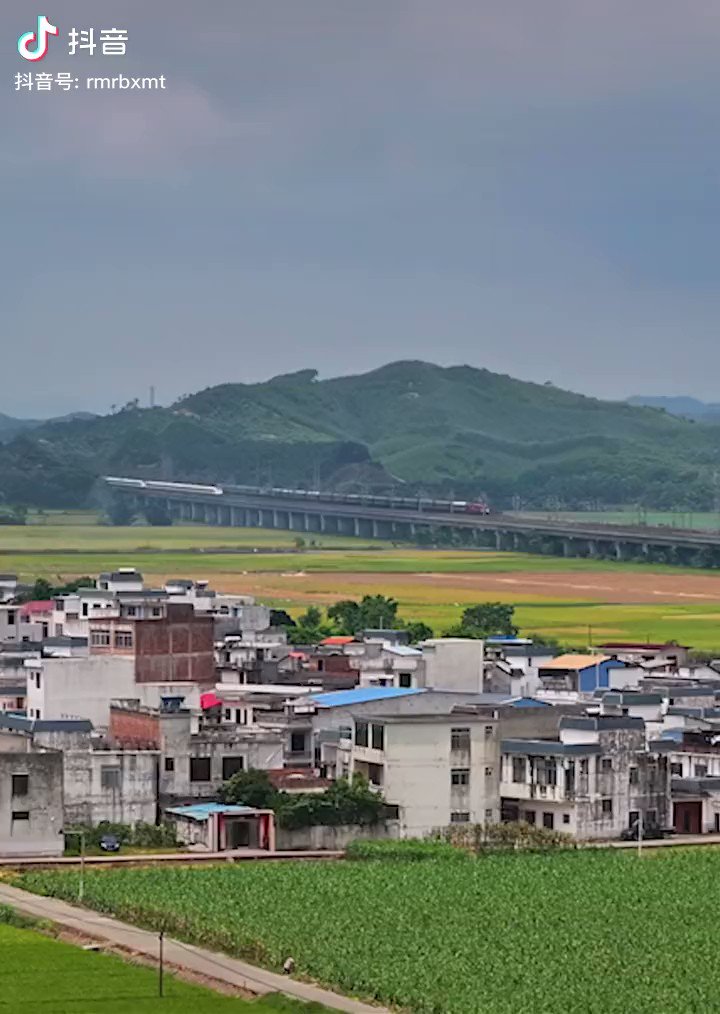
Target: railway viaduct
256,508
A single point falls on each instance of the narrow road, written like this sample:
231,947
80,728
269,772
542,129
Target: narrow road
147,859
182,956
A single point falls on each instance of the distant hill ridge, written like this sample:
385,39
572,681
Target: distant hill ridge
455,429
680,405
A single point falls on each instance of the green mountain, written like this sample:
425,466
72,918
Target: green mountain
456,430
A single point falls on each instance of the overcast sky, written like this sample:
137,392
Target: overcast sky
527,186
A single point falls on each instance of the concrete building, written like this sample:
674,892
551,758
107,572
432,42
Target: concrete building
219,827
454,663
167,642
16,627
120,786
193,762
593,781
579,674
99,782
668,655
124,579
66,688
31,798
437,769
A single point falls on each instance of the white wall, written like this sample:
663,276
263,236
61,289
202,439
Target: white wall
454,663
79,687
417,773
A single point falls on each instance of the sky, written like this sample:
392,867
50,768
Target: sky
529,187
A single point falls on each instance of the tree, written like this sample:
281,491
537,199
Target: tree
309,628
281,618
377,612
490,619
418,631
42,590
346,616
250,788
120,513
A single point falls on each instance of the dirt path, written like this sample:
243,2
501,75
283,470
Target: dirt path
600,586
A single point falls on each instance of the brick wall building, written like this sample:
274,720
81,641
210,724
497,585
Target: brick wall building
174,646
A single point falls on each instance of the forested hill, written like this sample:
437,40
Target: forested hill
456,429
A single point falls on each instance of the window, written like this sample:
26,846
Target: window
20,815
584,767
37,680
378,737
100,638
717,823
228,714
132,610
19,785
701,770
199,769
676,769
297,742
109,777
546,771
459,739
566,818
460,776
361,734
606,764
651,818
519,768
488,816
548,820
607,807
459,817
231,766
11,617
633,818
169,764
489,730
156,611
634,776
529,816
405,679
123,639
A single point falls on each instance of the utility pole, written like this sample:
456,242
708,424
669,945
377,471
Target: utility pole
161,963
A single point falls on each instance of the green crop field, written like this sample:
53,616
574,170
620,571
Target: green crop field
40,975
590,932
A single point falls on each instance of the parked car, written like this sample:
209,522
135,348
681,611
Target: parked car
649,831
109,843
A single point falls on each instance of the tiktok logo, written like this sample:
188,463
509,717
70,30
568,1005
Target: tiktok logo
34,45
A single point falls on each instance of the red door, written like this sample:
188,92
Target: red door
687,817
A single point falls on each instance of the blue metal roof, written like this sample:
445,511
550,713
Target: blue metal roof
201,811
361,695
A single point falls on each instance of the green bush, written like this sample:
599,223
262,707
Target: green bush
517,836
406,850
343,802
139,835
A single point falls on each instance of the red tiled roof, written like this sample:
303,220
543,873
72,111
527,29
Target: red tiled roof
209,700
32,608
337,639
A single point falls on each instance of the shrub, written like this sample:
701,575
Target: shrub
406,850
518,835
